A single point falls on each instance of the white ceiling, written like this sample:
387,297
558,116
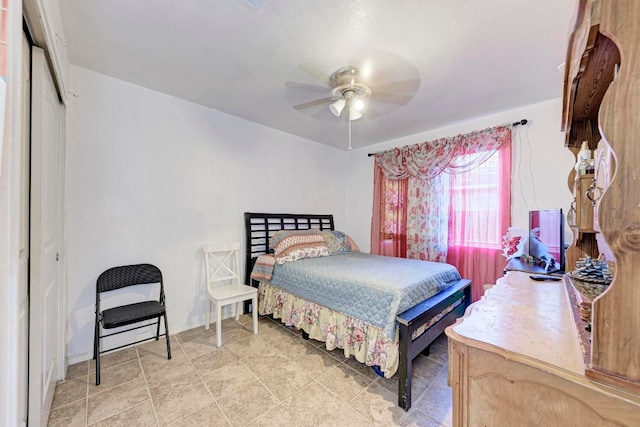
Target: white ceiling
471,57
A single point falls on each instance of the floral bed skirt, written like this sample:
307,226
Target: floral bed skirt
367,343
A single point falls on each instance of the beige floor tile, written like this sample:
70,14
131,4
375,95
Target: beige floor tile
177,392
195,334
441,379
246,319
115,358
214,360
71,415
116,375
254,345
363,369
69,391
115,400
230,323
139,415
180,373
286,329
199,346
344,382
427,368
417,418
158,347
262,364
439,352
418,385
236,334
336,353
315,343
77,369
291,346
278,416
437,403
271,330
286,380
378,405
153,356
230,379
316,362
253,401
315,406
442,340
209,416
181,402
227,324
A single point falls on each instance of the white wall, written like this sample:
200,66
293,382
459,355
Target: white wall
540,161
150,178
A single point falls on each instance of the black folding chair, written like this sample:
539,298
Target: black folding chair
118,278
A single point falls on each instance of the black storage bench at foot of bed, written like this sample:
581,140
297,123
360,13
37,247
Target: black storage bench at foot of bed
413,319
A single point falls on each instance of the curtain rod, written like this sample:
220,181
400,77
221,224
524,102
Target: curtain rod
521,122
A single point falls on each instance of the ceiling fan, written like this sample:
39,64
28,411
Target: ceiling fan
348,91
353,92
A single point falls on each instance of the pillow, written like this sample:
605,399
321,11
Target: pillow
338,242
280,235
291,245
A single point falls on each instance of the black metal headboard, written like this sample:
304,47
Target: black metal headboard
259,227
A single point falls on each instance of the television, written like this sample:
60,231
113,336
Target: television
546,239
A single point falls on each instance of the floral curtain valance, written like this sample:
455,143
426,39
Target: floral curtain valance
429,159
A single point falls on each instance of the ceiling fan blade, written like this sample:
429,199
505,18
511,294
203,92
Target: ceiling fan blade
324,114
391,98
314,72
410,85
306,86
312,103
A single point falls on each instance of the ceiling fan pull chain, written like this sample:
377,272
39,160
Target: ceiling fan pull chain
349,148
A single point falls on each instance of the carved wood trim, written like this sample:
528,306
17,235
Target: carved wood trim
616,317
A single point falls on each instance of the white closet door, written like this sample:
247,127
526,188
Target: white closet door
44,288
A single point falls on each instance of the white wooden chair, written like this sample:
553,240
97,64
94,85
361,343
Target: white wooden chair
222,268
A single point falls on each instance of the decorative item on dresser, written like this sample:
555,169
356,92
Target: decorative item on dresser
559,374
392,345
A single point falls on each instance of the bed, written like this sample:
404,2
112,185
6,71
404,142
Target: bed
392,318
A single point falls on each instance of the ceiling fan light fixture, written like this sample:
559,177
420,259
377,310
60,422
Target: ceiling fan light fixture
358,104
354,113
337,107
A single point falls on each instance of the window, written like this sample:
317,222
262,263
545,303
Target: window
475,208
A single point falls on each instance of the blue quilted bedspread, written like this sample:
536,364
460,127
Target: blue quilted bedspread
369,287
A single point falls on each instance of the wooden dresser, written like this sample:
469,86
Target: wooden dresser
516,359
519,356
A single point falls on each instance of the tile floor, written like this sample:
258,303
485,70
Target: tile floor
275,378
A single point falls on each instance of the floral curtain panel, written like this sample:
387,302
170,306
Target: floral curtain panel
429,159
427,227
389,236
